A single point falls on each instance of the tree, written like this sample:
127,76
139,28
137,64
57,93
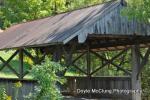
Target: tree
138,9
16,11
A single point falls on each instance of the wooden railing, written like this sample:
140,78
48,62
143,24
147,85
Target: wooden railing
99,87
73,85
27,87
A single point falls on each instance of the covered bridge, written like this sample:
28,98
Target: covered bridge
86,31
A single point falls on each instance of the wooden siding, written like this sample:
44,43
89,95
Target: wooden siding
102,83
27,87
114,23
73,83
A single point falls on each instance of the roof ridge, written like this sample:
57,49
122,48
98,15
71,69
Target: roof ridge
68,11
103,10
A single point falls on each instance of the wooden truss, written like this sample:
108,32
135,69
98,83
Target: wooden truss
66,53
21,53
139,60
87,52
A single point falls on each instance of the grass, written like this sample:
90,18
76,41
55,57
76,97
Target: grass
72,74
6,72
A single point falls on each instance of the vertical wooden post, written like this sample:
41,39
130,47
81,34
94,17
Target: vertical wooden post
136,83
56,57
88,59
57,54
88,62
37,61
21,63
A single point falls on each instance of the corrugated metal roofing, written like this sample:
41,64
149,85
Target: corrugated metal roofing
50,30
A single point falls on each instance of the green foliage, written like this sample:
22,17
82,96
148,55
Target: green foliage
109,69
3,95
138,9
75,4
46,76
16,11
6,72
146,80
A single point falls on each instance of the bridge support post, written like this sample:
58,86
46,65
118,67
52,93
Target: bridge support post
136,82
21,63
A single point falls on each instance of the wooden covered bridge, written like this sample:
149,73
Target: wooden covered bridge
83,32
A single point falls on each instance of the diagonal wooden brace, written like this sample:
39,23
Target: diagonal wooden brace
110,61
10,67
6,62
29,55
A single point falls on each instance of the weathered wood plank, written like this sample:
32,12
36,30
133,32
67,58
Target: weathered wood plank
103,83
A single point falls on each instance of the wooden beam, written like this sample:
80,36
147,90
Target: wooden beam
10,67
122,59
21,64
29,55
69,55
136,82
72,62
109,61
57,54
88,61
78,57
25,73
114,42
80,69
5,63
127,72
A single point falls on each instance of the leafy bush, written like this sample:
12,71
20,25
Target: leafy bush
46,76
3,95
146,80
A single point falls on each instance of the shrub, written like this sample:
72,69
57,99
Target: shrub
3,95
46,76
